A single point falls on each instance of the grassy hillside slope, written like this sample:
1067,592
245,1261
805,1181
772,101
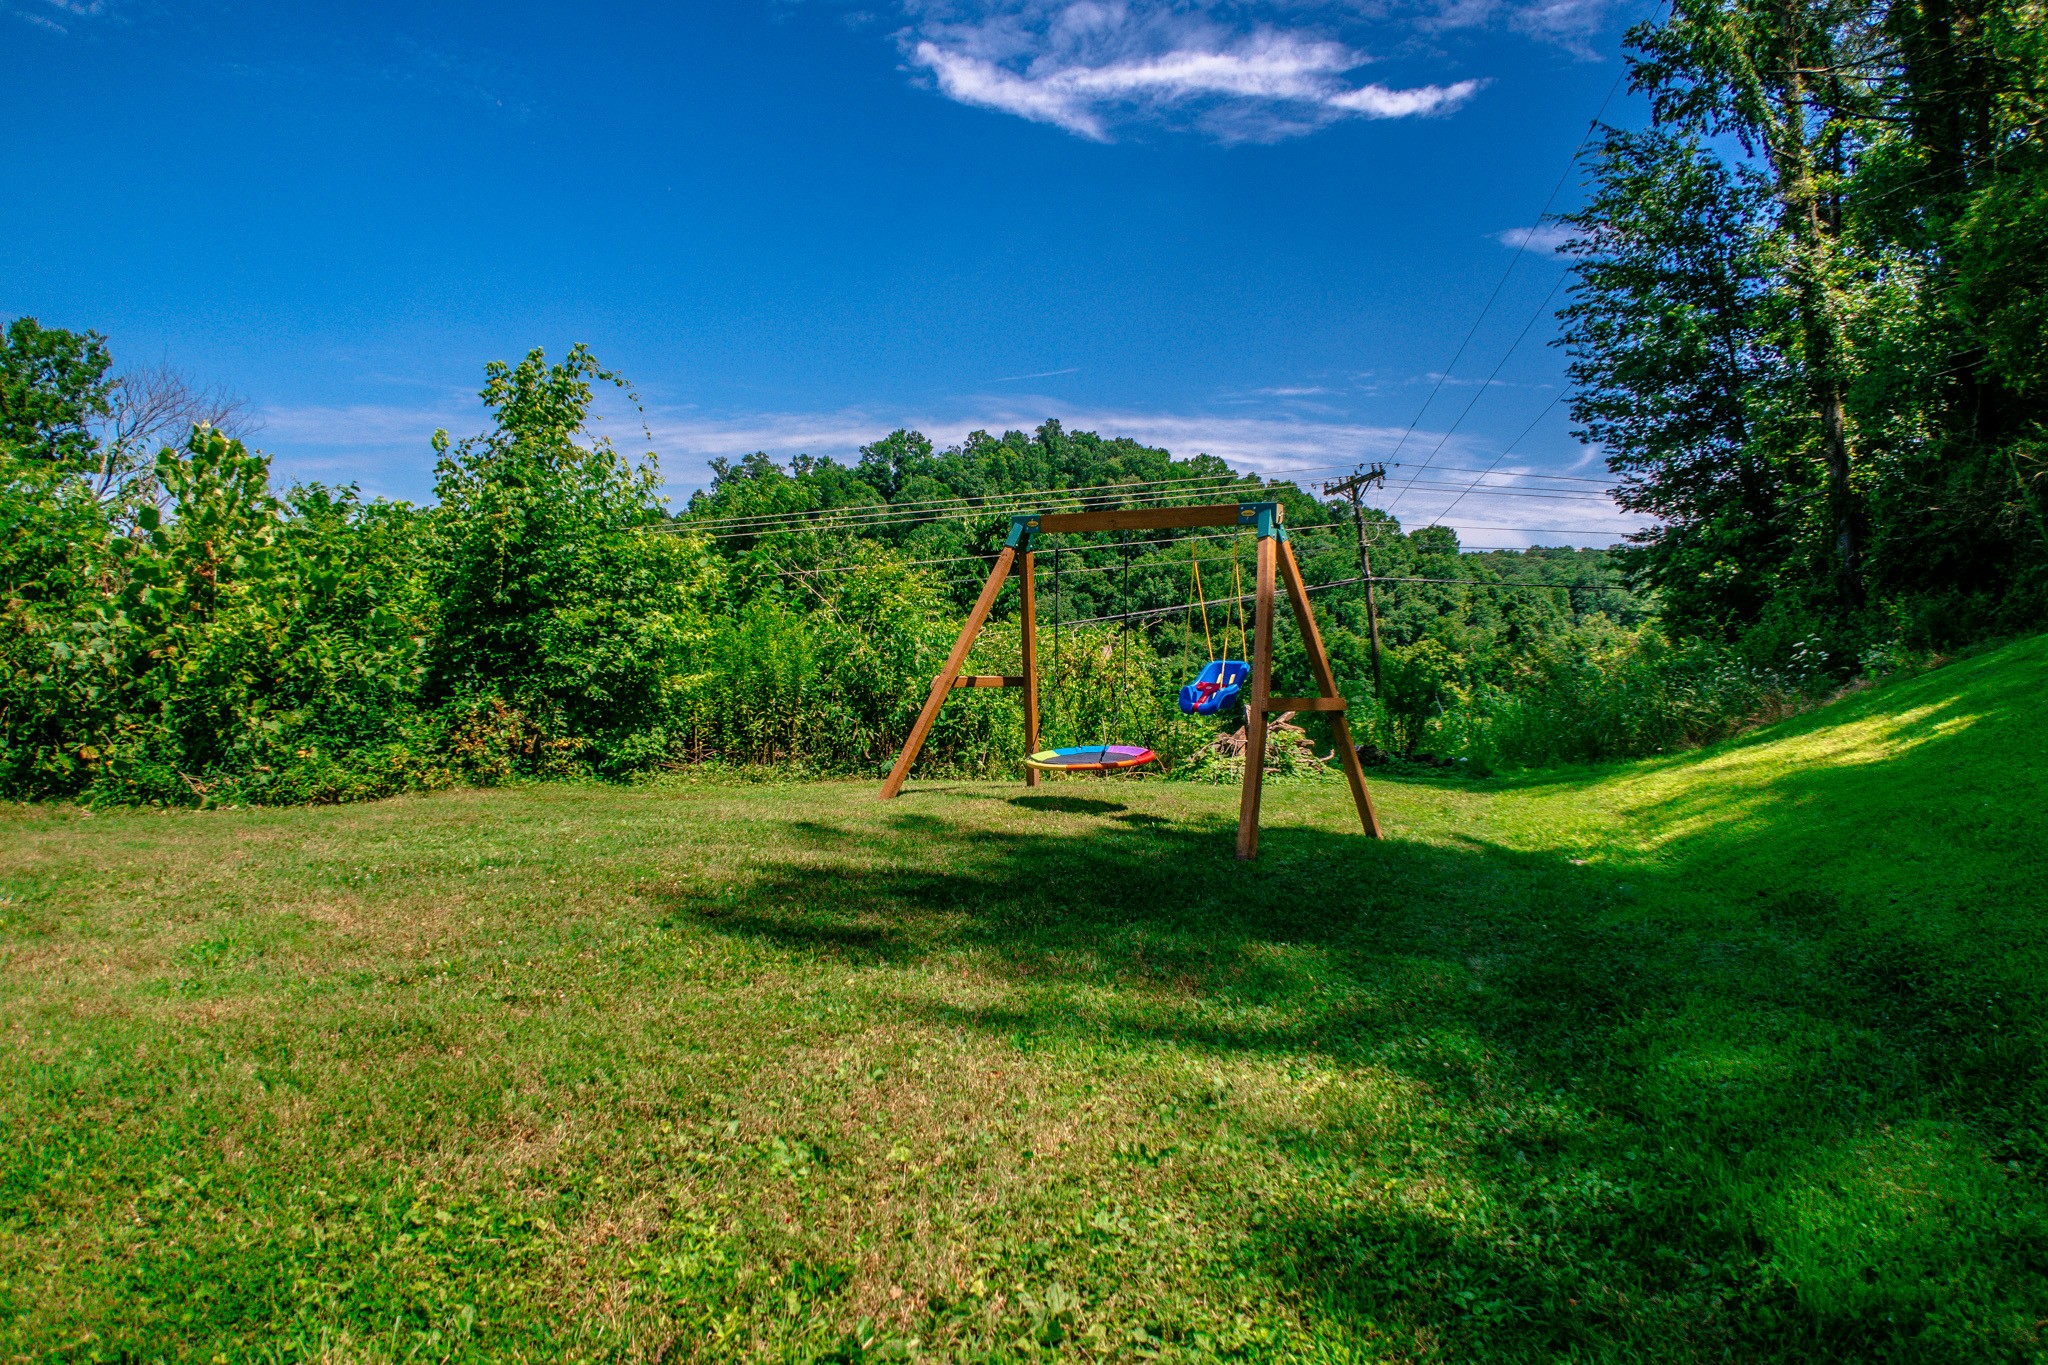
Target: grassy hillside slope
1737,1053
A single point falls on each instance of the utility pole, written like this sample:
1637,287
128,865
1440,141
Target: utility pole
1354,489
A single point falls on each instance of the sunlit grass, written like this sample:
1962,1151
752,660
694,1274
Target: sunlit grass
1734,1054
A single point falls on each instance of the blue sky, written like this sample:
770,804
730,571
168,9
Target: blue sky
1255,229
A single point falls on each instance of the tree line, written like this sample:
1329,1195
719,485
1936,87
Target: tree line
1807,323
176,630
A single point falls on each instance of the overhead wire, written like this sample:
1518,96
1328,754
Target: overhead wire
1505,452
1082,492
1297,532
1521,248
800,522
859,515
1376,578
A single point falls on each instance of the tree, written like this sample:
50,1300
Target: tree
1808,319
148,409
562,593
1677,372
53,387
1791,82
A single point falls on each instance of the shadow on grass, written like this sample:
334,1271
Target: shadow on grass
1739,1104
1073,805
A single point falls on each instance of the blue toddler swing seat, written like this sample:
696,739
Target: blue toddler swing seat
1215,688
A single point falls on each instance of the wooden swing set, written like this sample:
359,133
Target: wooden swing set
1275,562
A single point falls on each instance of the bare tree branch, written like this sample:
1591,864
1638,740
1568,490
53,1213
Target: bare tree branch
152,407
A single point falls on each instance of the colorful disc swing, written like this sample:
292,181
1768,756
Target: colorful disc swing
1221,681
1091,758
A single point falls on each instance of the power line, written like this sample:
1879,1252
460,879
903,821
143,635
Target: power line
1521,247
870,518
1480,392
1083,492
1090,492
1250,481
1296,532
1497,459
1350,582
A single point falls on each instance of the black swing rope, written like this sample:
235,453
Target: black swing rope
1120,649
1123,640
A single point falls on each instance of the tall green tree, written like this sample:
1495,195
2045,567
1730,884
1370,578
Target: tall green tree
563,595
1851,196
1677,372
53,385
1792,82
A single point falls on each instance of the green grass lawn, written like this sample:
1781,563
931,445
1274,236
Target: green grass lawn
1730,1055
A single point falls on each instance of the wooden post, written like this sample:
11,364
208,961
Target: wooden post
1028,584
1255,706
943,684
1326,679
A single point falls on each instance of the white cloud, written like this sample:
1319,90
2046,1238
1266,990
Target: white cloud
1569,24
1376,101
1088,66
76,9
1042,374
1549,237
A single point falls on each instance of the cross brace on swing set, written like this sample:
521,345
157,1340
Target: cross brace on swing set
1276,565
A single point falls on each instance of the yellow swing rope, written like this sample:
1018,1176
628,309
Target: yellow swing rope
1195,563
1237,595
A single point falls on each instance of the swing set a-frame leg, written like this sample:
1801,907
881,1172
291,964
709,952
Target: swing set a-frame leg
1027,583
1326,680
1255,706
943,684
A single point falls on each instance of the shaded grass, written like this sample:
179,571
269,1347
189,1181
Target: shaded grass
1729,1055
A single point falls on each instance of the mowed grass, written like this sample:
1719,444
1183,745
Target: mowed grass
1731,1055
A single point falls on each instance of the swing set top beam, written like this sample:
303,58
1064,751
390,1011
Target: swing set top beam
1148,518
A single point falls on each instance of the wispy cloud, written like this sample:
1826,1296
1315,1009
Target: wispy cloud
1042,374
1089,66
364,426
40,16
1569,24
1549,237
1451,381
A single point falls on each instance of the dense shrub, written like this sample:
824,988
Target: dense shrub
559,600
238,644
1581,699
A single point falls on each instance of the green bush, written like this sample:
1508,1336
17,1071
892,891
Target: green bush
1580,699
